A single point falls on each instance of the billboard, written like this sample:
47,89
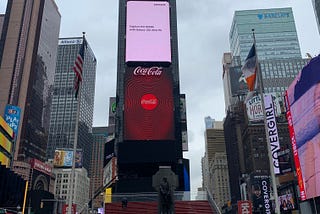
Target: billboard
285,163
5,143
73,209
244,207
148,104
4,160
12,117
254,107
148,31
40,166
6,127
110,171
63,158
238,82
303,114
183,123
286,202
260,193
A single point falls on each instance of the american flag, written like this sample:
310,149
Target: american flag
77,68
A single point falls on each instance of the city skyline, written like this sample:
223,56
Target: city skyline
203,31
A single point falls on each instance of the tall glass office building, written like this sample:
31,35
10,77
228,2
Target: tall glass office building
316,6
64,105
275,32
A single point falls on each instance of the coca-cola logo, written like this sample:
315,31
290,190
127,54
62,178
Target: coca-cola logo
149,101
145,71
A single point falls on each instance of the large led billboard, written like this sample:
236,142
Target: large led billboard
63,158
303,114
148,104
148,31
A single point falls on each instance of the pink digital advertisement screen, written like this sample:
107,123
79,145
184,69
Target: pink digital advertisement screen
148,31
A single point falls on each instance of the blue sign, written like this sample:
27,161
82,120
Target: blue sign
273,15
12,117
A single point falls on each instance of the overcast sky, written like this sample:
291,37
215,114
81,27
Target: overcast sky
203,29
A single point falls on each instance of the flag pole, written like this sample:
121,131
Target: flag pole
261,91
72,178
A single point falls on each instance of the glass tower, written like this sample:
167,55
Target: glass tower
64,105
316,6
275,32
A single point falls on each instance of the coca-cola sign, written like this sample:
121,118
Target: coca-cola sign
147,71
149,101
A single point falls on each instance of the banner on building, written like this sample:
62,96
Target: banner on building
272,131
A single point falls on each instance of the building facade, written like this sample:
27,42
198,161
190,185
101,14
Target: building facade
275,33
215,164
80,190
100,136
29,43
65,105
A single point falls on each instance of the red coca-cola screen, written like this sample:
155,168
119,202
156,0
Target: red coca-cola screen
148,105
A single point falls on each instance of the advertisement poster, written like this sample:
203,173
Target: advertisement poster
148,31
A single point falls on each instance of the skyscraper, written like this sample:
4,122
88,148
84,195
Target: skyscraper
215,165
275,32
100,136
147,132
316,6
29,43
65,106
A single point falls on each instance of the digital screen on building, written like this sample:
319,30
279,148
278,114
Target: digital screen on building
148,31
303,114
63,158
12,117
6,127
148,104
5,143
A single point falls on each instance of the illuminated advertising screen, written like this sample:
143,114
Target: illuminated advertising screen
6,127
4,160
12,117
148,104
5,143
148,31
63,158
244,207
303,114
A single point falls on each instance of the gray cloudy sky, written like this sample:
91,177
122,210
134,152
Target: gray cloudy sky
203,29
